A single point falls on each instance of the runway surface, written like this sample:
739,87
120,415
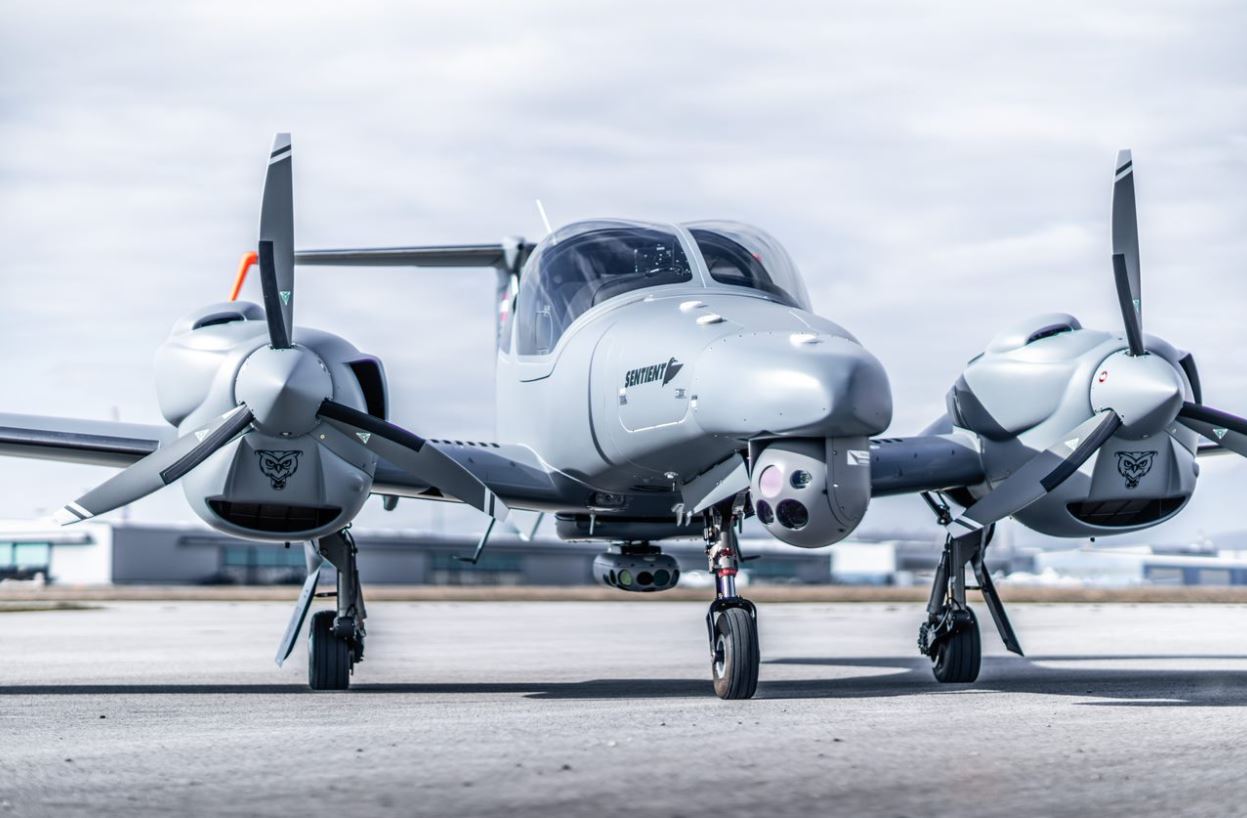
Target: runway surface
574,708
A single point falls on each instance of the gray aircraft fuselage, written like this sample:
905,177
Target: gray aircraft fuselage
650,388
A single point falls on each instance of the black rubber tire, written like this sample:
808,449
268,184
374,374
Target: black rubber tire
958,658
328,657
735,672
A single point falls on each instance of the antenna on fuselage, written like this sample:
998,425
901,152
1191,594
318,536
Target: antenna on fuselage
544,218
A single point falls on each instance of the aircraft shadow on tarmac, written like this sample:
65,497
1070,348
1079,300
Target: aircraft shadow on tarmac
1133,687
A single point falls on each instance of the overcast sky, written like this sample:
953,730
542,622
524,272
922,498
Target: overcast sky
938,170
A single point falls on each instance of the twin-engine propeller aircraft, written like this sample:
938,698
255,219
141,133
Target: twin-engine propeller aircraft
653,381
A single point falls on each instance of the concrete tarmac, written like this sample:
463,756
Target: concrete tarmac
580,708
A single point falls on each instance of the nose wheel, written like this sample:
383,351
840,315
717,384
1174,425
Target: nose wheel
734,651
732,621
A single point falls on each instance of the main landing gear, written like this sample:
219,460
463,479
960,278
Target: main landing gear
335,640
950,636
732,621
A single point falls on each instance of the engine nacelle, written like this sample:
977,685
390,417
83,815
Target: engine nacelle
812,493
282,482
637,568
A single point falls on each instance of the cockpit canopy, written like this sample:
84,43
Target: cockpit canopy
744,256
581,265
586,263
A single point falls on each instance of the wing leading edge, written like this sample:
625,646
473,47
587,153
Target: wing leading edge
927,462
92,442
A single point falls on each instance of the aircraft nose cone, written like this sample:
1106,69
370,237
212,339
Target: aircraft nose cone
283,388
806,384
1145,391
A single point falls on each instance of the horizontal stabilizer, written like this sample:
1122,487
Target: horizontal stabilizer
508,254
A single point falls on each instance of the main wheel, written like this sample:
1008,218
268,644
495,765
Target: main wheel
735,663
958,657
328,656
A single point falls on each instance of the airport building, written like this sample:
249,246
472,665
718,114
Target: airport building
102,553
96,553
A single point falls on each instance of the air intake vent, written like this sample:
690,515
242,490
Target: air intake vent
1125,513
274,518
372,384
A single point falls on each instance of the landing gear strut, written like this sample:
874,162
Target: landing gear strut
336,638
732,621
950,636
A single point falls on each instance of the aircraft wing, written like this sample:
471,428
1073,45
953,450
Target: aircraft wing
93,442
926,462
512,472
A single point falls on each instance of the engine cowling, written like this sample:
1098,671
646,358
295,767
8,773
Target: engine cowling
291,476
812,492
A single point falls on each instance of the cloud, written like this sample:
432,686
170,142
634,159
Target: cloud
937,170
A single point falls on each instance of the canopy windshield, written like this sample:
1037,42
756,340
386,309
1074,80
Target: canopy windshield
745,256
586,263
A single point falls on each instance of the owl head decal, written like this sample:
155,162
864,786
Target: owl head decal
1134,466
278,466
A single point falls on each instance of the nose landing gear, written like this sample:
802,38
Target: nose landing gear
732,621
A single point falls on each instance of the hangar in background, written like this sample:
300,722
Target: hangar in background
96,553
102,553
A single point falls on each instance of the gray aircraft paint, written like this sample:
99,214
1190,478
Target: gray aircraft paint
646,398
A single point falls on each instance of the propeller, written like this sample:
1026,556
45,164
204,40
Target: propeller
283,390
1226,429
1135,393
158,469
1042,473
276,250
416,455
1125,233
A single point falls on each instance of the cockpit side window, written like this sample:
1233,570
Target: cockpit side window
584,265
746,257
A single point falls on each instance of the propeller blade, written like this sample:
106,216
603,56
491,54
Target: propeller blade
276,250
1125,230
158,469
1187,362
1221,427
416,455
1042,473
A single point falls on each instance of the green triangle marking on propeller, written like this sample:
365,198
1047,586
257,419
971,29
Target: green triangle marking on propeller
285,296
1220,433
363,436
